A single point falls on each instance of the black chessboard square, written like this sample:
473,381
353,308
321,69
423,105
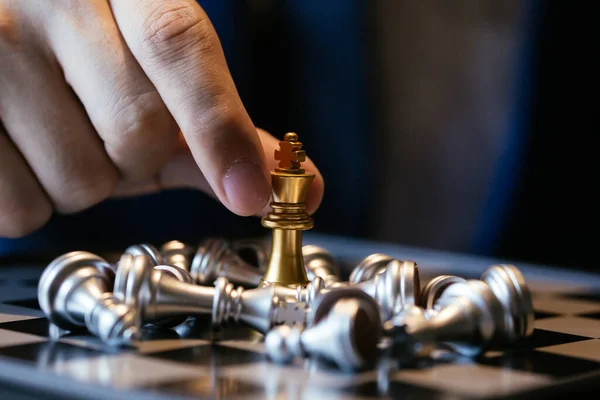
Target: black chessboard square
542,338
587,296
200,328
209,355
590,315
539,362
27,303
543,314
35,326
45,354
218,387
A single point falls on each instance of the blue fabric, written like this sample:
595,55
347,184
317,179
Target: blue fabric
326,75
502,187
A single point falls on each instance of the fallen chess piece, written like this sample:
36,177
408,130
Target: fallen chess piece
130,278
215,258
258,249
369,267
393,288
147,250
470,317
157,295
75,290
434,289
319,262
345,329
511,289
177,253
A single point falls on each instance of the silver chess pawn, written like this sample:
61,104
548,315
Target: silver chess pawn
259,248
177,253
369,267
468,320
393,288
320,262
75,290
510,288
130,276
215,258
157,296
345,328
434,289
145,249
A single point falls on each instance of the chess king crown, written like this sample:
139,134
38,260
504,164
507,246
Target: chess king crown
293,294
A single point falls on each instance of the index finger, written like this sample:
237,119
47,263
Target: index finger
178,48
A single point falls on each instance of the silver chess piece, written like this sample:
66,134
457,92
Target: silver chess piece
75,290
177,253
345,328
510,287
215,258
131,276
434,289
468,319
393,288
157,296
369,267
145,249
260,248
320,262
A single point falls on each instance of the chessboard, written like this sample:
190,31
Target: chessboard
561,357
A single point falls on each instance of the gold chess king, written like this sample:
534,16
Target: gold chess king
288,216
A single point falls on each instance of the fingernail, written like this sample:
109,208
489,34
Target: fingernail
246,187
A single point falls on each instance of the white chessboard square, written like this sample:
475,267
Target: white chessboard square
587,349
565,306
125,370
297,377
12,338
14,317
472,379
572,325
257,346
155,346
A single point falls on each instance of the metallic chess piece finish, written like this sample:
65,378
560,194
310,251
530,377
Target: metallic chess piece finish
177,253
215,258
320,262
157,296
393,289
434,289
288,216
345,329
75,291
129,278
467,321
259,248
510,287
145,249
369,267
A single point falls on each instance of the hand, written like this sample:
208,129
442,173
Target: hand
102,98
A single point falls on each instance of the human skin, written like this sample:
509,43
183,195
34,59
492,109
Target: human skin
105,98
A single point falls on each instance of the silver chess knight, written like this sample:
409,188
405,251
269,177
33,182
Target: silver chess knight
75,290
